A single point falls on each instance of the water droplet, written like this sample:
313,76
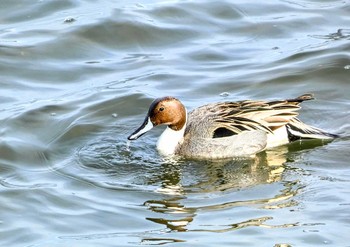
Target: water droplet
128,145
282,245
347,66
69,20
225,94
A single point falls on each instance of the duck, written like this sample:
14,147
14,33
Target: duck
227,129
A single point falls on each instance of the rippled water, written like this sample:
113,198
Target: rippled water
76,78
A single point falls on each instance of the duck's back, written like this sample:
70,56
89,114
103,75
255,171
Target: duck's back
229,129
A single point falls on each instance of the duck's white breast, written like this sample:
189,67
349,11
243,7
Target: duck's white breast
169,140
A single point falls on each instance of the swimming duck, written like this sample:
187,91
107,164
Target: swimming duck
227,129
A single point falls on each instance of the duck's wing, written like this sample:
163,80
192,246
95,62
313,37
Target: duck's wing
231,118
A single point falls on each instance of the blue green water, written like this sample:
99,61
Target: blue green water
76,78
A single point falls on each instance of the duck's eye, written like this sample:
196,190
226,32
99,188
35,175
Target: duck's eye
161,109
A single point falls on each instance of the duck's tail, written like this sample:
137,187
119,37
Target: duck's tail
297,130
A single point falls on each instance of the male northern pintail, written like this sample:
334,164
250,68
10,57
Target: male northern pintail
227,129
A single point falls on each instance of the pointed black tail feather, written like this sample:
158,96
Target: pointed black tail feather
301,98
297,130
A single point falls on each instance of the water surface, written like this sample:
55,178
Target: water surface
76,78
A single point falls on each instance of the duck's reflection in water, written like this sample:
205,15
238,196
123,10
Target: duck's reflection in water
191,187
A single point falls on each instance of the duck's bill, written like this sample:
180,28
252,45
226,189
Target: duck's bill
145,127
